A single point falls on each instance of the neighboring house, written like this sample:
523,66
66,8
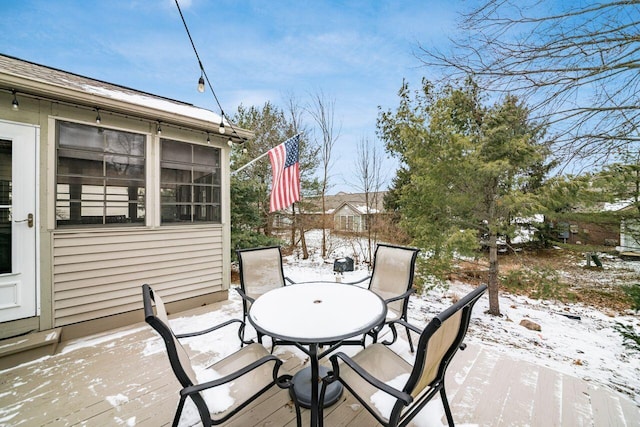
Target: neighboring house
343,212
629,237
102,189
350,213
351,217
629,230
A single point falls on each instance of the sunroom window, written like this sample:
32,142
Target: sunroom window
100,176
189,183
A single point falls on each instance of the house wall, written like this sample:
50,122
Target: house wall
100,273
93,273
629,235
346,219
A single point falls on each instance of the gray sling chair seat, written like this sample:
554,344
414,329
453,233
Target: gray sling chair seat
376,368
392,280
260,271
244,375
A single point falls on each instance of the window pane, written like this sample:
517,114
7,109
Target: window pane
207,156
124,143
202,177
100,176
172,173
80,136
176,151
6,177
123,166
176,213
74,162
189,183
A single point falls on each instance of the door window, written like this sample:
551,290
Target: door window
5,206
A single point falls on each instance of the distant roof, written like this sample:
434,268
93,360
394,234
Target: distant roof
36,79
356,200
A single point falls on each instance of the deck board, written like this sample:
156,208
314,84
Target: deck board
124,378
546,408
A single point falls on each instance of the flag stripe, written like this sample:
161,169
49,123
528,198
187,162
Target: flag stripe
285,188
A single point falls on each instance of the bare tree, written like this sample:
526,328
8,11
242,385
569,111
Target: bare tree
308,158
322,110
575,63
368,173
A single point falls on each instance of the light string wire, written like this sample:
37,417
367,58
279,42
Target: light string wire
204,73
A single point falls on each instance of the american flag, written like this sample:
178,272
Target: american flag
285,188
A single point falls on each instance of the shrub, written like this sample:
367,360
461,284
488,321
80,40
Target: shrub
633,292
629,337
539,283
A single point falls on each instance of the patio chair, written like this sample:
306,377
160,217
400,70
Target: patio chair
260,271
242,376
377,369
392,280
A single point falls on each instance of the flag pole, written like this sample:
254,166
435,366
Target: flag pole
257,158
250,163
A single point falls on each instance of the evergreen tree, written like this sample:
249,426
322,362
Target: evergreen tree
472,169
250,188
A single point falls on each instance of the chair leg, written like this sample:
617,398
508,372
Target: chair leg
176,417
445,403
323,389
285,382
410,340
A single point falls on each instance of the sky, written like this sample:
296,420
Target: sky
355,53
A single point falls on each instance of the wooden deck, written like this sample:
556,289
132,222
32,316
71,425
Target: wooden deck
124,378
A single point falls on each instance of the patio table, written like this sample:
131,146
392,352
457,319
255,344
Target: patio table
313,314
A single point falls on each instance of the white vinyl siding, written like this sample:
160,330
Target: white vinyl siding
100,273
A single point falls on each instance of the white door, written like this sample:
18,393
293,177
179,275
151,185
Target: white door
18,196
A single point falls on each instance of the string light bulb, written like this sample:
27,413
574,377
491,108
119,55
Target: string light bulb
208,139
14,104
221,129
230,143
98,118
201,84
159,129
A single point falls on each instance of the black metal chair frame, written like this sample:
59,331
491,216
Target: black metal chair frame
404,297
191,390
406,406
247,300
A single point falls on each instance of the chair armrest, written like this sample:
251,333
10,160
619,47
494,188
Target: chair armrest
406,324
357,281
206,331
406,398
245,296
233,376
400,297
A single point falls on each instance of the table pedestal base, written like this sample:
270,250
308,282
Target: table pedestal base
302,388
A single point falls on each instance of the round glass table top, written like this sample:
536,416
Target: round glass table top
317,312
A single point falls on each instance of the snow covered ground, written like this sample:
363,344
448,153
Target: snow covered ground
574,339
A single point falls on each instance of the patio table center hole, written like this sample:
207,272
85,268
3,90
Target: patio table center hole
318,301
